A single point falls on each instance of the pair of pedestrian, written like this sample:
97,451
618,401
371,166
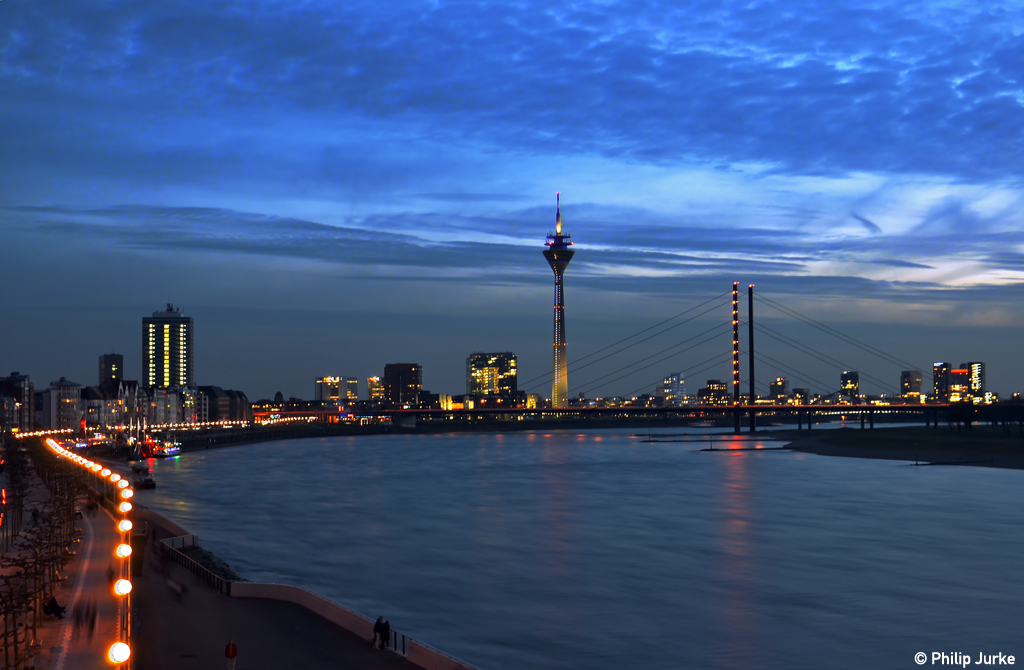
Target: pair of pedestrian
381,633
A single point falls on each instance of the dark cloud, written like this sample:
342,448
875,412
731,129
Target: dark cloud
868,224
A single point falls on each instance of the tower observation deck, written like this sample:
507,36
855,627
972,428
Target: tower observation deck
558,255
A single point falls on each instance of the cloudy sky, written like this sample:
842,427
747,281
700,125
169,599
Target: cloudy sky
328,187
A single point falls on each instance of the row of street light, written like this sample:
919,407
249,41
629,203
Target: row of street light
120,651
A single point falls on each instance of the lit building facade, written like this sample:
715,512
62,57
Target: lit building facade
350,388
976,380
558,255
167,350
23,391
403,383
910,383
671,390
959,384
940,381
491,374
374,389
779,389
111,368
715,393
327,389
849,385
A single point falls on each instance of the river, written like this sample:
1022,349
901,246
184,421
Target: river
599,550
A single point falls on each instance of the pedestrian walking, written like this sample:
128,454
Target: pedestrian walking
385,634
377,626
230,653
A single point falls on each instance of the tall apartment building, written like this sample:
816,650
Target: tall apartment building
167,349
491,374
672,389
976,378
403,383
62,405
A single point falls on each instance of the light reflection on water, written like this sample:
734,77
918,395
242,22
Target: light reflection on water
600,550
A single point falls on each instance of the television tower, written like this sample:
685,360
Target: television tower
558,255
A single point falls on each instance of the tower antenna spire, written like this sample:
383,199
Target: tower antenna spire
558,212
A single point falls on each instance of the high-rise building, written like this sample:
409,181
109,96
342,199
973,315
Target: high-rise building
672,389
327,389
779,389
111,367
350,388
491,374
167,349
558,255
960,383
62,405
940,381
976,379
715,393
403,383
849,385
910,383
374,389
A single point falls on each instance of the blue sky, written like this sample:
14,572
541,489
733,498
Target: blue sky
328,187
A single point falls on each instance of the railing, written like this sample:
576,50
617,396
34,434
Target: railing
176,544
399,643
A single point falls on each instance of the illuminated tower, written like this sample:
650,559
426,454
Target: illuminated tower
167,349
559,254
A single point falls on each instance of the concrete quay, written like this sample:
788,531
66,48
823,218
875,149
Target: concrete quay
275,626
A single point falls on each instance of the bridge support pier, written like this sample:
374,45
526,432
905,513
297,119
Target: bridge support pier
753,420
871,419
862,420
799,420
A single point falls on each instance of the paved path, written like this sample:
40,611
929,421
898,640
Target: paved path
270,634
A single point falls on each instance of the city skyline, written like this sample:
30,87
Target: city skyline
319,204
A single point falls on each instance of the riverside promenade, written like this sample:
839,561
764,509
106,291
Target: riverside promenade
270,634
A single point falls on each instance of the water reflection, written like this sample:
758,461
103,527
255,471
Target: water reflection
540,550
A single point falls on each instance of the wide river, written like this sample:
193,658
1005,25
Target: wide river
600,550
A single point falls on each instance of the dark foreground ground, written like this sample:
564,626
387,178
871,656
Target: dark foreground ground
985,446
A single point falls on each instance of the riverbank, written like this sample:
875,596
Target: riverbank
985,446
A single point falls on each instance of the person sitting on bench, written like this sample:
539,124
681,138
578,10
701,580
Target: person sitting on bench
51,607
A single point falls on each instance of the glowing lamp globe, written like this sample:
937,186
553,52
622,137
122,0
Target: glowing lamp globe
123,550
105,472
123,484
124,526
127,493
115,477
119,652
122,587
125,507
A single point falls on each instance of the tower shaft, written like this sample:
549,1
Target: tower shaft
558,255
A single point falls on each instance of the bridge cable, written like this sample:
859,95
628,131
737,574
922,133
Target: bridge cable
576,367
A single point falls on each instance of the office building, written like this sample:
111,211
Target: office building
960,383
374,389
940,381
491,374
558,255
111,367
910,383
403,383
671,390
715,393
167,350
779,389
976,379
328,389
350,388
849,385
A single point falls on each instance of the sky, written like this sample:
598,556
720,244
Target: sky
329,187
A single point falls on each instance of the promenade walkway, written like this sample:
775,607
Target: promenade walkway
270,634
